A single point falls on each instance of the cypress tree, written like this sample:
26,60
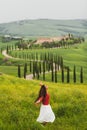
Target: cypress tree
45,57
41,56
33,69
25,70
40,67
55,72
58,62
38,76
55,58
48,66
26,67
43,70
30,66
36,68
48,56
52,70
29,57
33,56
36,56
51,57
81,75
68,75
61,63
7,49
19,71
74,74
37,71
62,72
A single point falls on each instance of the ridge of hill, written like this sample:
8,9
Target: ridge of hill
44,28
18,112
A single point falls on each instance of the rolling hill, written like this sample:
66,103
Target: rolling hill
18,111
44,28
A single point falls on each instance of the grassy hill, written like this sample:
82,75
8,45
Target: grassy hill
18,112
73,55
44,27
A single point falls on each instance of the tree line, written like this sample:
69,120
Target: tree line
65,41
43,67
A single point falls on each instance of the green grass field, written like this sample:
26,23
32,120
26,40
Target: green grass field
18,112
74,55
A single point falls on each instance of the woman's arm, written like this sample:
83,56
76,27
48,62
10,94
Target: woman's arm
39,100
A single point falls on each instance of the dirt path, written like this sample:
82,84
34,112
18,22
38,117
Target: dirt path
28,77
6,55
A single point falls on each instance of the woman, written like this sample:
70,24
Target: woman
46,113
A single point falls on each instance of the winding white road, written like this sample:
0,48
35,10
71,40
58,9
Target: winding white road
6,55
28,77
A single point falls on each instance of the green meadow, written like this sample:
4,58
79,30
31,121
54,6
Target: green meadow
72,55
18,111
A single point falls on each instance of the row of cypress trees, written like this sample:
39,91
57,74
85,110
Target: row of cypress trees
36,56
38,68
51,63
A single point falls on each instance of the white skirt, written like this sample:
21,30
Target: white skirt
46,114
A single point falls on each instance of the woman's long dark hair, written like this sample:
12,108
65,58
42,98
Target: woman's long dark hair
42,92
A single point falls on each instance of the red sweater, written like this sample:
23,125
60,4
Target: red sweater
45,100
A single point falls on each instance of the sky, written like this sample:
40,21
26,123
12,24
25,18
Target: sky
14,10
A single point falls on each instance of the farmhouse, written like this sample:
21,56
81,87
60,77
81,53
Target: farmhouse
51,39
7,38
42,40
16,38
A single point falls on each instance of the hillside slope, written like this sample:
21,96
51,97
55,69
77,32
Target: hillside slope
18,112
44,27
